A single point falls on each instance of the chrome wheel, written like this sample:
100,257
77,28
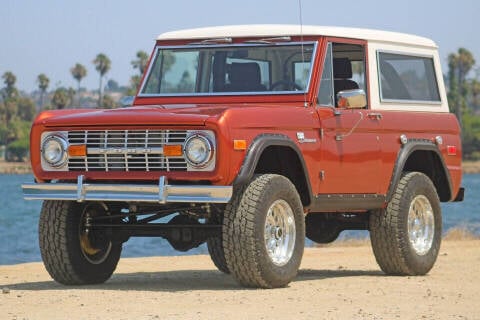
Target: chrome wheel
280,232
94,244
421,225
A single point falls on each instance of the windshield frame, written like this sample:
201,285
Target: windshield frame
234,45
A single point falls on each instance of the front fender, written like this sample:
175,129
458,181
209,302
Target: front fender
254,152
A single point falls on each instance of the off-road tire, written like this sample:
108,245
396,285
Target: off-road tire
215,244
61,250
320,230
244,232
389,228
215,249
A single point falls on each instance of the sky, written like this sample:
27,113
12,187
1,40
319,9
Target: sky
50,36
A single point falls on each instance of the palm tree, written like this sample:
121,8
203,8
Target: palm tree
9,79
43,83
475,90
78,73
102,65
459,65
60,98
141,62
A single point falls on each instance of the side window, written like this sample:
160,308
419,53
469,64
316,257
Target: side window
325,93
344,69
407,77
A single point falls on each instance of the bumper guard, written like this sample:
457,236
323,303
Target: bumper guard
161,193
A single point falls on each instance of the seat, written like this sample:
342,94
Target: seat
342,74
244,77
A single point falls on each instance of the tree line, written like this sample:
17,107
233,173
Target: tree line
17,110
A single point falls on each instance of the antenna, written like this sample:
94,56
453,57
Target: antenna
305,104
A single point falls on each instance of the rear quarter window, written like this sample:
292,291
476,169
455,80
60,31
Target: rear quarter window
407,78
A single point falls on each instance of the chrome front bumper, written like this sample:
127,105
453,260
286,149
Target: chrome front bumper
161,193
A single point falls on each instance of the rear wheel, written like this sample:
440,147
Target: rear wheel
264,232
72,252
406,236
321,230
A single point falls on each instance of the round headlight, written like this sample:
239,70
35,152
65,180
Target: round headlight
198,150
54,151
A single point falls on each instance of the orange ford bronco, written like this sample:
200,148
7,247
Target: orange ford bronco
251,138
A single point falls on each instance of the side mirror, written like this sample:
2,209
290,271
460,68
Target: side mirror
127,101
352,99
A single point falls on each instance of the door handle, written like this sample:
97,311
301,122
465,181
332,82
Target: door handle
375,116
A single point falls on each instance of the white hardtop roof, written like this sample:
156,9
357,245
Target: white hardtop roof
272,30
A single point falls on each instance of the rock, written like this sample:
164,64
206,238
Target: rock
5,290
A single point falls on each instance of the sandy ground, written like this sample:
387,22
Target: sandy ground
339,282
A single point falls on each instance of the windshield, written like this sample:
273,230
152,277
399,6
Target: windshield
234,69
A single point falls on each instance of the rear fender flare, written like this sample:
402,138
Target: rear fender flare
403,155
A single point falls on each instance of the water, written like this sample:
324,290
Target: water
19,223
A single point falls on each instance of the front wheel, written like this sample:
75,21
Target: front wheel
406,235
74,253
264,232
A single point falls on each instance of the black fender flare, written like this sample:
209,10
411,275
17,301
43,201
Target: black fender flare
407,149
254,152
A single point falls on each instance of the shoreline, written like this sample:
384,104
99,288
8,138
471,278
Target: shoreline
15,167
469,167
332,283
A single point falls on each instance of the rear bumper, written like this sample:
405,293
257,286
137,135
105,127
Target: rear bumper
160,193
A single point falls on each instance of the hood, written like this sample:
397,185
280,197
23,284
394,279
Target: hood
139,115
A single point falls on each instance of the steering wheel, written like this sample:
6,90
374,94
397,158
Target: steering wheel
288,85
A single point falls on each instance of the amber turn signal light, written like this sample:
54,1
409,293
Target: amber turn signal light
239,144
77,151
172,150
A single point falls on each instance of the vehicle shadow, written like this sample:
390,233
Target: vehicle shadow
184,280
311,274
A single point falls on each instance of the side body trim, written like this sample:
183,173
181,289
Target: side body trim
346,202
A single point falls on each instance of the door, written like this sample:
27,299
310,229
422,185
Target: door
350,138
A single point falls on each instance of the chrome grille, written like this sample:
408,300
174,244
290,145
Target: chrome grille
126,150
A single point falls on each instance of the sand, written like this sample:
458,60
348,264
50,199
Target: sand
337,282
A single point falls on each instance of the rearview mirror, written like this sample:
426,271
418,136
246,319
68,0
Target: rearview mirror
352,99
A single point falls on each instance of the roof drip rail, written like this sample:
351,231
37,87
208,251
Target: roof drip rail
213,41
270,40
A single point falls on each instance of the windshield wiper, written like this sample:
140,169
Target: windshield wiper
213,41
270,40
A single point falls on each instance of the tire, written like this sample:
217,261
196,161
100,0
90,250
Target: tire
256,221
73,256
215,249
320,230
406,236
